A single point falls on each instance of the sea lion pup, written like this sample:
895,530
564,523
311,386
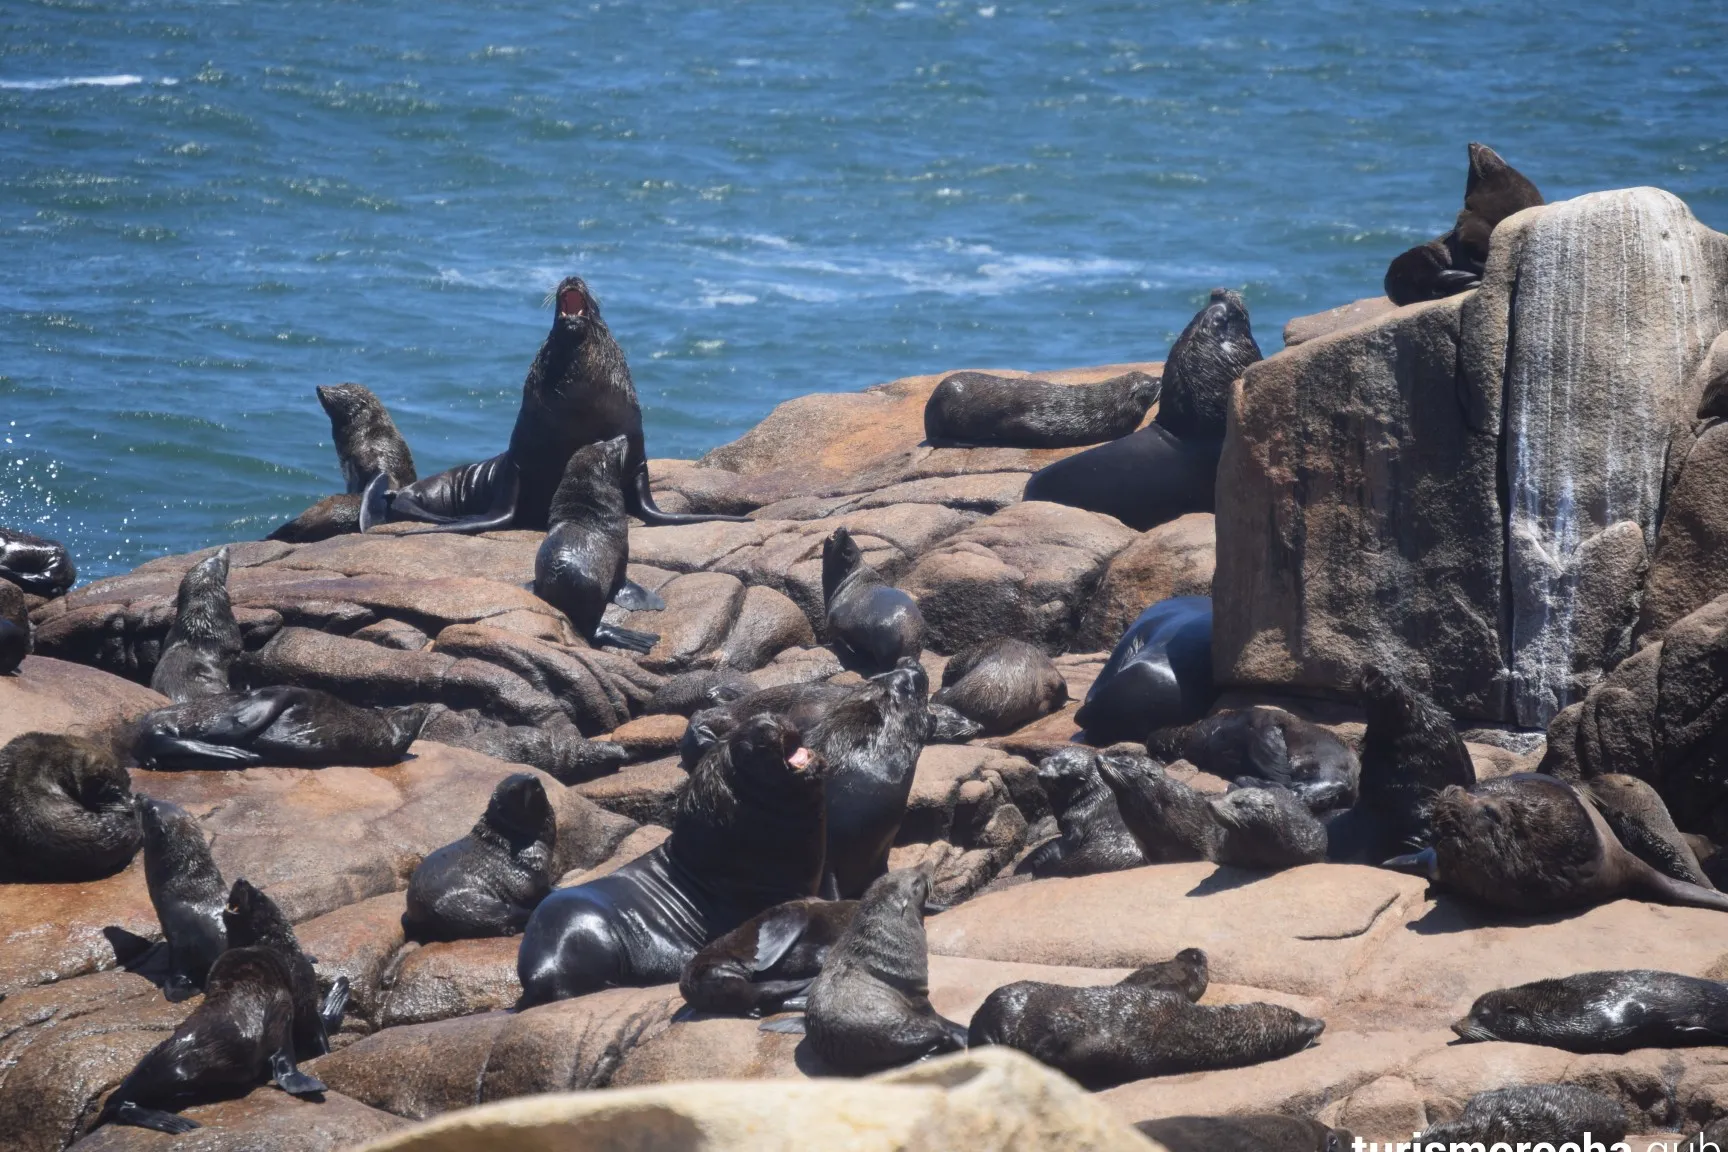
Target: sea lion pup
766,964
1158,675
578,391
554,745
1529,843
1022,412
260,1016
581,564
1455,262
1641,822
1255,1132
1410,751
1094,838
276,727
869,1008
1101,1037
1267,744
1003,684
15,644
747,835
205,638
66,810
1607,1011
187,892
1551,1113
1266,829
1188,972
870,742
332,516
367,443
690,692
489,882
36,564
871,624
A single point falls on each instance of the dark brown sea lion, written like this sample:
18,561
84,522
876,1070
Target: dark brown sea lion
367,442
36,564
66,810
766,964
691,692
805,705
554,745
205,638
1641,821
276,727
1530,844
1188,972
1003,684
1606,1011
1410,751
872,625
1552,1114
1267,744
1022,412
331,516
1158,675
870,1007
489,882
1266,829
1214,349
949,725
1255,1132
187,891
1455,262
748,835
581,564
15,644
578,391
1094,837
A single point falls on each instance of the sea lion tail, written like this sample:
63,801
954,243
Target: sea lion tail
639,501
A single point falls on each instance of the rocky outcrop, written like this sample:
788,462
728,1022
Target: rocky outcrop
1174,559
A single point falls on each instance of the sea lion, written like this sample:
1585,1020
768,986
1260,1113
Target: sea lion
690,692
802,705
187,891
489,882
1528,843
276,727
1266,829
1104,1036
554,745
1158,675
1410,751
1454,262
581,564
367,442
1188,972
205,639
870,741
1641,821
1003,684
871,624
766,964
15,644
949,725
332,516
1267,744
1022,412
1604,1011
251,919
1553,1114
578,391
1254,1132
747,835
1713,1137
1214,349
66,810
36,564
870,1007
1094,838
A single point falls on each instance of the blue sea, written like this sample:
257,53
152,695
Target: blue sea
209,208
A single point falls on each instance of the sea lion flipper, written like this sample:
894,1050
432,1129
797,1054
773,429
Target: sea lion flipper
249,717
776,935
178,987
1455,280
289,1078
177,751
639,500
632,597
625,637
153,1118
375,502
789,1026
1424,862
335,1004
1681,893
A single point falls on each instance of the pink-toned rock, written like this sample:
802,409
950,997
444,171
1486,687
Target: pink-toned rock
51,932
1301,329
646,793
649,737
1174,559
358,941
458,978
49,695
639,843
264,1120
1045,735
701,608
768,623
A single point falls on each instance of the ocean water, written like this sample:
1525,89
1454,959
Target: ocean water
206,209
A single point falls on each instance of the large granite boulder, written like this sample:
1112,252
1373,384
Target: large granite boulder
1174,559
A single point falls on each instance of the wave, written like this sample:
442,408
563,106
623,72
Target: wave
122,80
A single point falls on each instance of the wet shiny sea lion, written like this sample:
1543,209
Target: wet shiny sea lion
204,640
276,727
1093,837
187,891
1266,828
66,810
1158,675
489,882
1553,1114
1002,684
1023,412
554,745
871,624
15,644
1605,1011
748,835
367,442
36,564
766,964
1267,744
802,705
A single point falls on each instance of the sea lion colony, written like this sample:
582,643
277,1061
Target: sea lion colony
773,896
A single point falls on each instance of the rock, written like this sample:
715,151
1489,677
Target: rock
650,737
458,978
1050,734
358,941
936,809
1301,329
798,666
52,932
768,623
646,793
1025,572
1684,574
264,1120
1383,1109
49,695
1174,559
701,608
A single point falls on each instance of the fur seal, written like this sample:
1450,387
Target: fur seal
367,442
1214,349
1093,837
870,741
489,882
1158,675
1003,684
1529,843
949,725
1022,412
748,835
1410,751
554,745
205,639
66,810
1553,1114
766,964
1641,822
870,1006
691,692
36,564
1266,829
276,727
15,644
1267,744
802,705
331,516
578,391
1604,1011
581,564
187,891
871,624
1455,262
1188,972
1104,1036
1255,1132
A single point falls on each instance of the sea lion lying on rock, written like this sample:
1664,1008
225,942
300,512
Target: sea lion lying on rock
1553,1114
1023,412
1607,1011
1267,744
489,882
36,564
1094,837
205,640
1640,821
766,964
1158,675
1003,684
276,727
1259,828
66,810
690,692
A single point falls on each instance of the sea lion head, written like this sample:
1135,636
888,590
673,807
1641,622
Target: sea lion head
1225,317
900,895
593,483
1513,1014
1144,390
1385,694
345,403
1065,773
520,810
770,749
250,917
203,610
163,823
906,684
575,311
1491,176
840,555
405,724
950,726
90,772
1270,827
